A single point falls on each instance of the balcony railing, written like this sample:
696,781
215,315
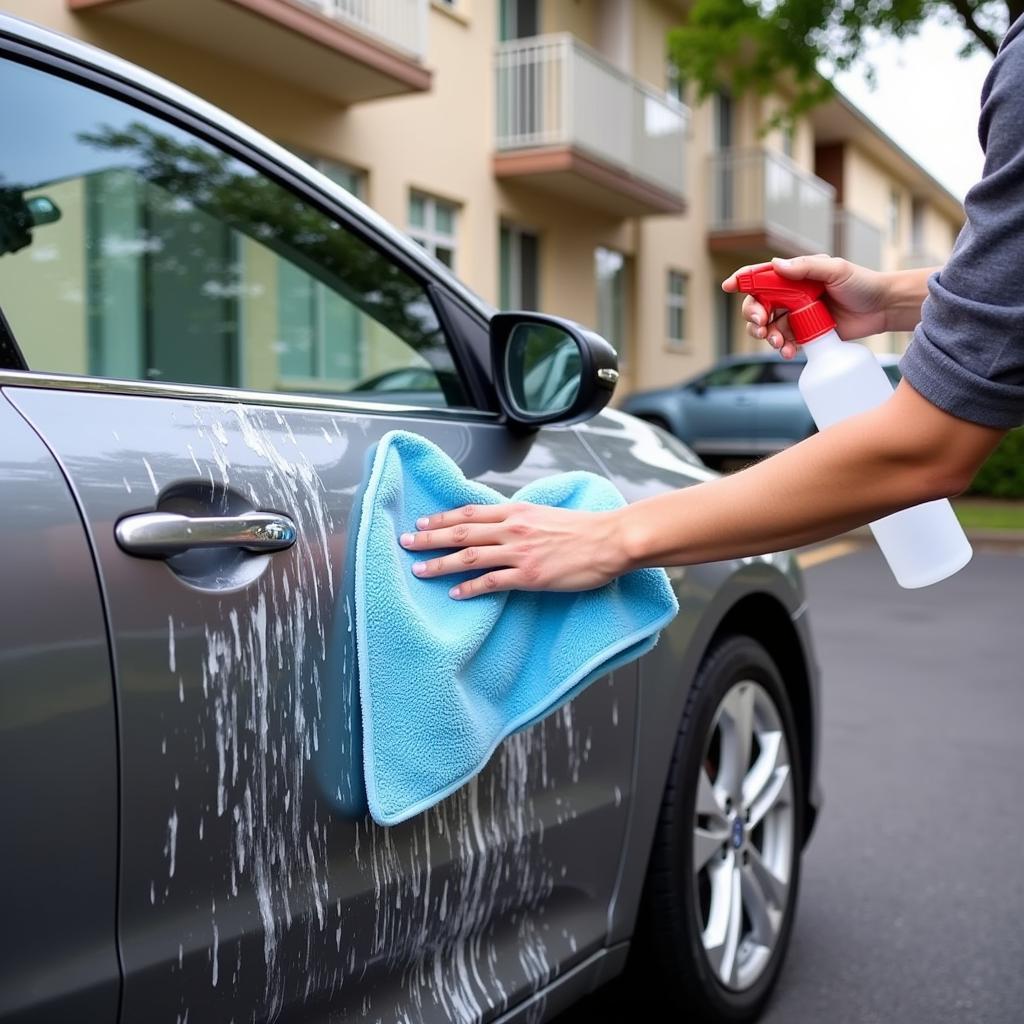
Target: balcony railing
858,240
554,91
399,24
757,191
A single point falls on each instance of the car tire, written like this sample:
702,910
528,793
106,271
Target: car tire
689,907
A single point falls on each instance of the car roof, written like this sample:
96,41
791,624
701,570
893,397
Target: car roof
161,89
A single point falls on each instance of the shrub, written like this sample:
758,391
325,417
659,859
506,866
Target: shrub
1002,476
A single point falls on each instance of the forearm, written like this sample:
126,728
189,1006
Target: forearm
855,472
907,291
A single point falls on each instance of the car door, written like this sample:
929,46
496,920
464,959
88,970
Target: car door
782,416
252,885
721,408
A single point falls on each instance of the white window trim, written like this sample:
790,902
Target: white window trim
673,301
428,235
516,232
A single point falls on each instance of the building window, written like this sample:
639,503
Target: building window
517,19
675,302
610,272
675,84
895,214
519,284
432,224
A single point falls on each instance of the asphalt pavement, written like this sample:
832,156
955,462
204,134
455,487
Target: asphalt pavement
912,903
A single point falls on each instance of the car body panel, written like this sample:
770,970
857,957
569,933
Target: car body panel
252,882
58,842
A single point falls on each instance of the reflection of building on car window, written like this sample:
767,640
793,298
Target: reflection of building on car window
197,268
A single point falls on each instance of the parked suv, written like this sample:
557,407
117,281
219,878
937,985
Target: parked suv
744,406
194,322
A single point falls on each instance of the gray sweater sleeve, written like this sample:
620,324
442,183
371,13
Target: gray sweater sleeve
967,354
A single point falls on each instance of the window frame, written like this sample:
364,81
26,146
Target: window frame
677,301
515,234
428,236
105,74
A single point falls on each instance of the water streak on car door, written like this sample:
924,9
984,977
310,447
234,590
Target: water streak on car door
251,885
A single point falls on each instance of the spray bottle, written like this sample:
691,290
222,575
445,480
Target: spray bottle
923,544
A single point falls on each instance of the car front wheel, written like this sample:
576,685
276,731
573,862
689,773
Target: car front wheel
725,869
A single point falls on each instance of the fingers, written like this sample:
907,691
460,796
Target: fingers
490,583
731,283
465,514
458,536
820,267
466,560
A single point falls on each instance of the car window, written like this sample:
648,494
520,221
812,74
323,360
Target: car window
893,373
130,248
784,372
735,375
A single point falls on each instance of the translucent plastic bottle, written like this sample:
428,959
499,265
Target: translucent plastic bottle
923,544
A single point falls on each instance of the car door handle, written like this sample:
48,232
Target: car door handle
743,401
162,534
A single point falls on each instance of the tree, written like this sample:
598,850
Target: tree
750,45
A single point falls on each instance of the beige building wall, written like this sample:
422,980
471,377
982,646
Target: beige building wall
441,142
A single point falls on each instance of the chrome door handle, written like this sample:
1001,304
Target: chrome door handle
162,534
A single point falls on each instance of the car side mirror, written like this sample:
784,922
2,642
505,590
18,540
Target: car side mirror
550,370
698,387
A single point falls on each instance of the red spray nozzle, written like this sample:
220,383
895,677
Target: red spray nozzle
808,316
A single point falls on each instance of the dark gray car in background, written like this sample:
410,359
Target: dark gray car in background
191,317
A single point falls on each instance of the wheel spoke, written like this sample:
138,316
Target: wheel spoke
710,802
772,756
737,722
776,792
764,893
707,843
725,922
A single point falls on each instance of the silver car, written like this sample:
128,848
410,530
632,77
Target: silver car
193,322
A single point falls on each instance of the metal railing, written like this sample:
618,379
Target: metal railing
399,24
858,240
556,91
756,189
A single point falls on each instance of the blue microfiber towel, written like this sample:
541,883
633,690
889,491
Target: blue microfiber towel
443,682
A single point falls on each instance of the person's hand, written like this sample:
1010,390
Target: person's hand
519,546
858,299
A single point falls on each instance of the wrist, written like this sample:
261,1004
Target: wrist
625,543
905,291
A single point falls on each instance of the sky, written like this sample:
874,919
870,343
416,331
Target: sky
927,99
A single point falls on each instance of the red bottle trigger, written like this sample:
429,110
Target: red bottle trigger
809,318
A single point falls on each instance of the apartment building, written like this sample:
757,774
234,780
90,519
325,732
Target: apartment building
543,149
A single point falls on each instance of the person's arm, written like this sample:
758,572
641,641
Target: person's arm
902,453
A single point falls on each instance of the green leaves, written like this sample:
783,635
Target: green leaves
749,46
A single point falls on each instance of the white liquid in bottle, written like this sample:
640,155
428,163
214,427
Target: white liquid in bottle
923,544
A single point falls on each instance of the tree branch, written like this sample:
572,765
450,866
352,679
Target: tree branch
966,11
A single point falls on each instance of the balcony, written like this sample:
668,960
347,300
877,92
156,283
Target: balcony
858,240
763,204
571,123
346,50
